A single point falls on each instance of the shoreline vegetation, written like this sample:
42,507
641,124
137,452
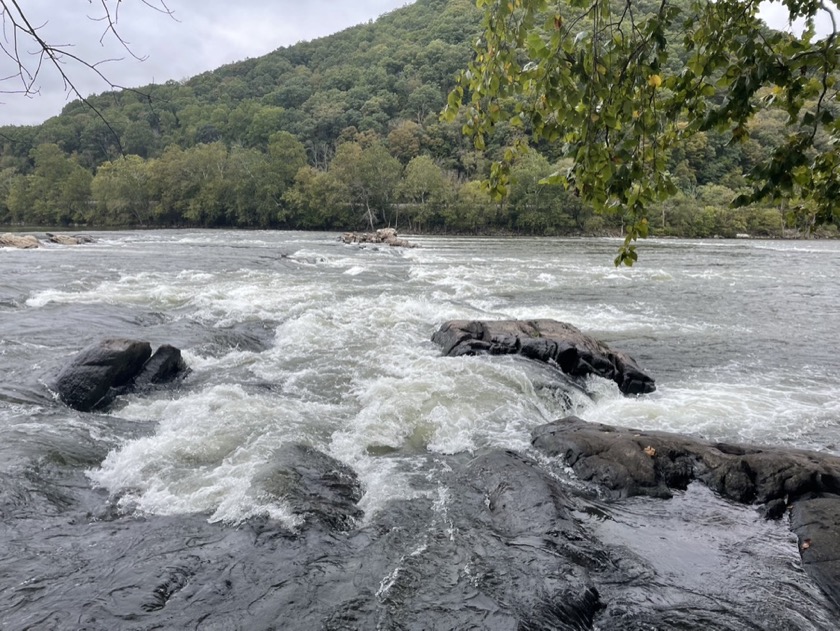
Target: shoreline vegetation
789,235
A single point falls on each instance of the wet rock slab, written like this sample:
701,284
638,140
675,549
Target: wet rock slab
628,462
549,341
492,543
634,462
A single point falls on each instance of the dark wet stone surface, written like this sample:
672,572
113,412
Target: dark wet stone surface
103,371
497,542
548,341
816,522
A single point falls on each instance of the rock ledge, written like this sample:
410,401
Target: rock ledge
628,462
549,341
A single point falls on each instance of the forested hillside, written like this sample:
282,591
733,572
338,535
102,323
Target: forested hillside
339,133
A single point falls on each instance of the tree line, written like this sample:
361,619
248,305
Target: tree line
364,185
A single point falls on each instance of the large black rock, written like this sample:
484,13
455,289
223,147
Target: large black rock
549,341
633,462
85,382
112,366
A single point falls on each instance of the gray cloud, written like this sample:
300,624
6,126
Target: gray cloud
202,36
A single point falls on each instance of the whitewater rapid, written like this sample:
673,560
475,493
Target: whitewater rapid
740,336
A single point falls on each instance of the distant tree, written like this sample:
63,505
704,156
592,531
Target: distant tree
473,210
122,192
405,140
55,193
371,175
427,187
319,199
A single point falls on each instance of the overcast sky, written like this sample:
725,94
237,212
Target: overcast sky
203,35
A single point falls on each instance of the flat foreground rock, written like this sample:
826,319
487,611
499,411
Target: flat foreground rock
629,462
549,341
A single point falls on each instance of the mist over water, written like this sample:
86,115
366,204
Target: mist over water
295,337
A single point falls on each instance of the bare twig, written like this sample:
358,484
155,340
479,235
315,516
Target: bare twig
22,42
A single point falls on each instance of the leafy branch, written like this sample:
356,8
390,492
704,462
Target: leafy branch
572,75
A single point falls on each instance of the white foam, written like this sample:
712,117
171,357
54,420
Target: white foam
205,451
753,409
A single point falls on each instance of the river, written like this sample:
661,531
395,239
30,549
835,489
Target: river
296,337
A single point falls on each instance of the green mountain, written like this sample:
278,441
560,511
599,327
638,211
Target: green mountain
368,77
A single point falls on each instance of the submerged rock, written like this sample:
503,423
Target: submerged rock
105,369
21,241
252,336
549,341
316,486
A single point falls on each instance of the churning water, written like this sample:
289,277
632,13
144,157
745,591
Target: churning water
295,337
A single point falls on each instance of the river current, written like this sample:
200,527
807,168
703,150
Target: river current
296,337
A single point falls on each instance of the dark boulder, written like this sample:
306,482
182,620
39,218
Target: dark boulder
85,382
164,366
317,487
633,462
815,522
114,366
549,341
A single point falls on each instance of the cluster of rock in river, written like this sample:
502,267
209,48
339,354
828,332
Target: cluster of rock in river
29,241
385,236
102,371
523,558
